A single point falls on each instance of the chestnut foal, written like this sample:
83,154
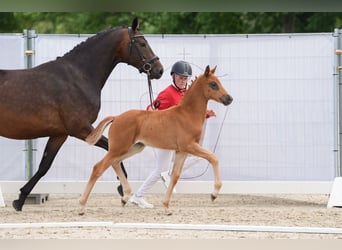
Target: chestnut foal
178,128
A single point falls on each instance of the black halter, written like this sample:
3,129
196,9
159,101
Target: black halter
146,67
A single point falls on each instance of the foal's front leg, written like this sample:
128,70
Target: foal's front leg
197,150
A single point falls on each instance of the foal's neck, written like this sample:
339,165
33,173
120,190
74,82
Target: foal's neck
195,102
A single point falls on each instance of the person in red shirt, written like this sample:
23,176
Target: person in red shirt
181,71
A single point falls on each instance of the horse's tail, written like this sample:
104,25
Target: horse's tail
96,134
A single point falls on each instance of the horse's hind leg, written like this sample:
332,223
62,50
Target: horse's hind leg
98,170
51,149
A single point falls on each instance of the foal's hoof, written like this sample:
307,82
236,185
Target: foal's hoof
123,202
168,212
81,211
213,197
17,205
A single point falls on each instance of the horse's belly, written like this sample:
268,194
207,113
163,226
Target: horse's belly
26,128
21,133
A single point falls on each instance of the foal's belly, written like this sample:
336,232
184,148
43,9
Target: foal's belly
159,142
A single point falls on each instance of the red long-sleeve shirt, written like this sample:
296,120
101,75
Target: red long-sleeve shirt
167,98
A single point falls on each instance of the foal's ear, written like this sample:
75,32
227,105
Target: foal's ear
213,70
135,24
207,70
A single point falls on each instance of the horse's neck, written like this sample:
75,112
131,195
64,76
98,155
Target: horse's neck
195,102
97,56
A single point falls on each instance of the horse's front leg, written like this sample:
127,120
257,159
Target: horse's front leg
98,170
197,150
176,172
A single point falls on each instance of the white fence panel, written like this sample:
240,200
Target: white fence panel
280,127
12,152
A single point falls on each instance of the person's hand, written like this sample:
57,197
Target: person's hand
211,113
156,105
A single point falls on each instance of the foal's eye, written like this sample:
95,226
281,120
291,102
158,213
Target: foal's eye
214,85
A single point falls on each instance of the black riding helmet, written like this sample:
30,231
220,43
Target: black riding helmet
182,68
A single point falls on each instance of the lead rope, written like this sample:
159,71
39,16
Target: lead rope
150,90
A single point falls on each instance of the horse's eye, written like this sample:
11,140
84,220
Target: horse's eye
214,85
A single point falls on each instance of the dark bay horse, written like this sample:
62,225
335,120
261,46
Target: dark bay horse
182,127
62,97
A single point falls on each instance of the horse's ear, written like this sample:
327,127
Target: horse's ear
207,70
213,70
135,24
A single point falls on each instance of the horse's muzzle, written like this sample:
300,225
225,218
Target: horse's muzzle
157,72
156,69
226,99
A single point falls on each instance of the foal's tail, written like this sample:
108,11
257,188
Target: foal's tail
96,134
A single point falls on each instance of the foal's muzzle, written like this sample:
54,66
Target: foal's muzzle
226,99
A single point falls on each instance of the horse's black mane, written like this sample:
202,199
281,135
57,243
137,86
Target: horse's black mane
92,38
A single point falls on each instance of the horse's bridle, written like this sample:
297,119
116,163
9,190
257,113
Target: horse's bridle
146,67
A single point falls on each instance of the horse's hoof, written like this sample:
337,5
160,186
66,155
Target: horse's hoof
213,197
120,190
17,205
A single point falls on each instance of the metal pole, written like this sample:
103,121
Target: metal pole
338,81
339,70
29,36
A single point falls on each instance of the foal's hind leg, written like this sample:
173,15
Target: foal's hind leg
103,143
134,149
176,172
125,187
98,170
